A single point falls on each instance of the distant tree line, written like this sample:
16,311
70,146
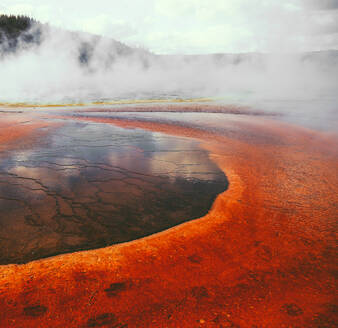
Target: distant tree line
12,26
18,33
14,29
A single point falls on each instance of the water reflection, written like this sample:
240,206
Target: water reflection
89,185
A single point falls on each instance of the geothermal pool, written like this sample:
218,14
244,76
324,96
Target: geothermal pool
262,252
85,185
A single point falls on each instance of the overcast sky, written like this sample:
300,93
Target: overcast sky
195,26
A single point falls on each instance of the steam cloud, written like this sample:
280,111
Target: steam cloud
68,67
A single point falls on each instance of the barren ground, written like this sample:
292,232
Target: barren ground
264,256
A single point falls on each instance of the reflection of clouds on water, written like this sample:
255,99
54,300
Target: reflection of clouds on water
184,164
90,185
166,156
78,150
70,153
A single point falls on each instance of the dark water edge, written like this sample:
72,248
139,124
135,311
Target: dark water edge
90,185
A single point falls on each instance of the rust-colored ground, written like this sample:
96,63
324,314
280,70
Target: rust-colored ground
17,129
263,257
179,108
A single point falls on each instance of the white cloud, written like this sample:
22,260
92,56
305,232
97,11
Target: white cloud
191,26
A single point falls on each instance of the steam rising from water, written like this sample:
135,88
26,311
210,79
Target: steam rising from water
78,67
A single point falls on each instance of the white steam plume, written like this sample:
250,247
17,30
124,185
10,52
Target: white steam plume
78,67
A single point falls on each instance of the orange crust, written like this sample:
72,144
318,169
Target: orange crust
262,257
19,130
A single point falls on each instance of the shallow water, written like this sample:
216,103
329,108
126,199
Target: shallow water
87,185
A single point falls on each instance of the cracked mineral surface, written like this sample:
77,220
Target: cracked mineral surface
263,256
89,185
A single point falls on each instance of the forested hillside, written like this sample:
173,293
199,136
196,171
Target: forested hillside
18,31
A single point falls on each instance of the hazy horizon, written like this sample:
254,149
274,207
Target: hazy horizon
193,26
283,79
